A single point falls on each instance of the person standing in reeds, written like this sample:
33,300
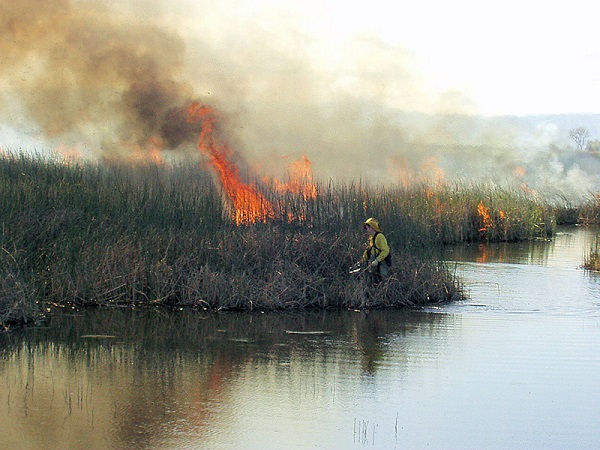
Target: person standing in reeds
377,253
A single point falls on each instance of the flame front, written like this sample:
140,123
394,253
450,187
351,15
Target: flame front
484,213
249,204
69,154
300,180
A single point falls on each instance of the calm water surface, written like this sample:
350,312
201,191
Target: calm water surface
517,365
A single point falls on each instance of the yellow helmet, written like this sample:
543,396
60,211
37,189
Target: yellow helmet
373,224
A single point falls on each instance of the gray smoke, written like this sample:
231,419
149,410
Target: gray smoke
82,73
116,77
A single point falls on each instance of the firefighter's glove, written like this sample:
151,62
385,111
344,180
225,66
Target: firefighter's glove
374,264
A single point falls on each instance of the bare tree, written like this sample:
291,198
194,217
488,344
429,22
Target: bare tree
580,136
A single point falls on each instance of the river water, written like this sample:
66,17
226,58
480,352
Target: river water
517,365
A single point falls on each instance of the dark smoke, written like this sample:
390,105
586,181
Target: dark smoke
176,130
83,70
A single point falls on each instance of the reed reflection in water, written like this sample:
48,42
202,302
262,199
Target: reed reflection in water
152,379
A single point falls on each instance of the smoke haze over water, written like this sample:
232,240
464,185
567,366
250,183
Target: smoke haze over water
114,79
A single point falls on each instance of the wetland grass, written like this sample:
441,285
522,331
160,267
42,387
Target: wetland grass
589,211
102,235
584,212
592,259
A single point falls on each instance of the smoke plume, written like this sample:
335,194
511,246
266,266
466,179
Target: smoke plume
82,72
117,78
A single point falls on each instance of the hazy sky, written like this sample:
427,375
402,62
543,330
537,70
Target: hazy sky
510,57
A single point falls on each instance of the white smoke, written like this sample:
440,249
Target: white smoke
109,78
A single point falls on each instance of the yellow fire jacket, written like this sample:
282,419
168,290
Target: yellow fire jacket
377,247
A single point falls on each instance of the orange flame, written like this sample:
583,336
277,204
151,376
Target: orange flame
154,151
137,154
432,172
484,213
520,172
525,188
408,174
300,180
249,205
69,154
150,155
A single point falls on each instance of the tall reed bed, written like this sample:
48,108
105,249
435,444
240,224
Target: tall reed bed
584,211
424,215
72,233
592,258
96,235
588,213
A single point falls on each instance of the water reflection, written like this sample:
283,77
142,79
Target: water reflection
516,365
138,378
568,245
532,252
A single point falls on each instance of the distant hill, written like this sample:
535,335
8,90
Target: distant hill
548,125
565,122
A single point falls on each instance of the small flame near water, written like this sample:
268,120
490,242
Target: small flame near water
486,218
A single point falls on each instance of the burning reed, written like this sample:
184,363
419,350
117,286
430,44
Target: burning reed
98,235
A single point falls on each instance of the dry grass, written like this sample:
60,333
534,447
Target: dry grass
147,235
592,259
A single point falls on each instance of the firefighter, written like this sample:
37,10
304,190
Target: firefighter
377,254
